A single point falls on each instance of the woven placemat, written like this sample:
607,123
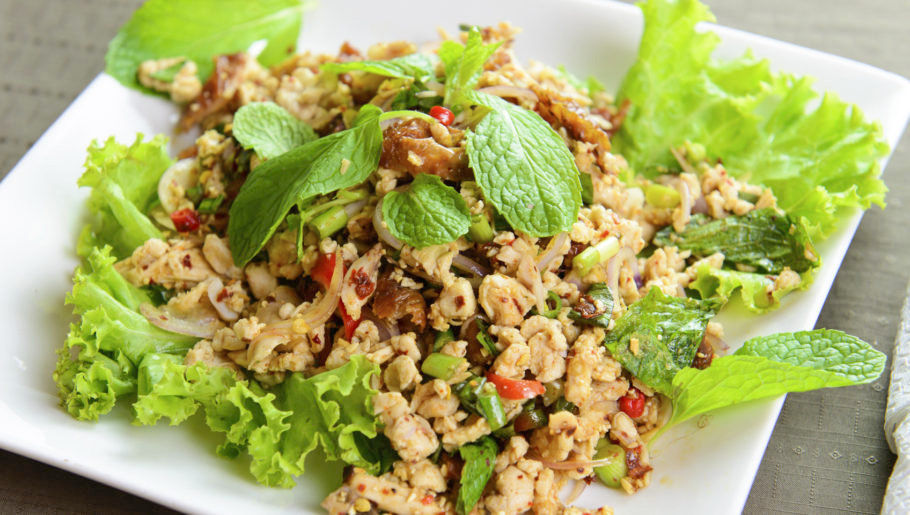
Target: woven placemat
827,453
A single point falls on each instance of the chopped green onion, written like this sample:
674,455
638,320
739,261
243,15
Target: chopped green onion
208,206
660,196
587,188
490,406
330,222
442,366
594,255
616,469
557,305
194,193
480,397
483,337
442,338
563,405
748,197
480,230
552,392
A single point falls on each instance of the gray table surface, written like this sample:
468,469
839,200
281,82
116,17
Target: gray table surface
827,453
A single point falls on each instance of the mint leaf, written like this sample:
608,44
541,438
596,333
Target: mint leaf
762,239
419,67
774,365
270,129
666,331
523,168
479,462
428,213
124,182
819,158
319,167
200,30
753,288
464,64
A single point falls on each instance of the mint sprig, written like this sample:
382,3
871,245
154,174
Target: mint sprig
429,213
337,161
419,67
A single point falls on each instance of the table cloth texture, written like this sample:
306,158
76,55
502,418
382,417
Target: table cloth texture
828,452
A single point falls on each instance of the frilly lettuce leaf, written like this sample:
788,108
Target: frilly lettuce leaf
99,359
124,182
819,157
278,429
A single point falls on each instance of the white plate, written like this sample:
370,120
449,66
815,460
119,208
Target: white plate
708,470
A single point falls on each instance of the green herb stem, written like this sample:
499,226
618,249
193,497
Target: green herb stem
330,222
442,338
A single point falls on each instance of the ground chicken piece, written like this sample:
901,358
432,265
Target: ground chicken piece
435,260
282,250
306,95
434,399
204,352
387,492
586,354
423,474
364,340
467,433
455,304
555,441
548,347
505,300
410,434
218,254
261,282
623,430
401,374
177,264
514,450
546,494
513,361
514,492
184,87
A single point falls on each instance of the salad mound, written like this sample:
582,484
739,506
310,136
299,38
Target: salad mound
470,280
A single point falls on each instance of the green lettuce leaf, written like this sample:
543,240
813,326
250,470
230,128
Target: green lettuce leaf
99,359
756,290
278,429
428,213
773,365
200,30
124,182
666,331
819,158
270,129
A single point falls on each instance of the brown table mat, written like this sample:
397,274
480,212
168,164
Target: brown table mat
827,453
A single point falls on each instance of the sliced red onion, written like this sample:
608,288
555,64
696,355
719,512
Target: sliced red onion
383,231
683,162
315,315
164,319
552,252
529,275
625,255
700,205
576,492
354,207
510,92
387,329
468,265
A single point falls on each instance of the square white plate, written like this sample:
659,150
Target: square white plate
707,470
